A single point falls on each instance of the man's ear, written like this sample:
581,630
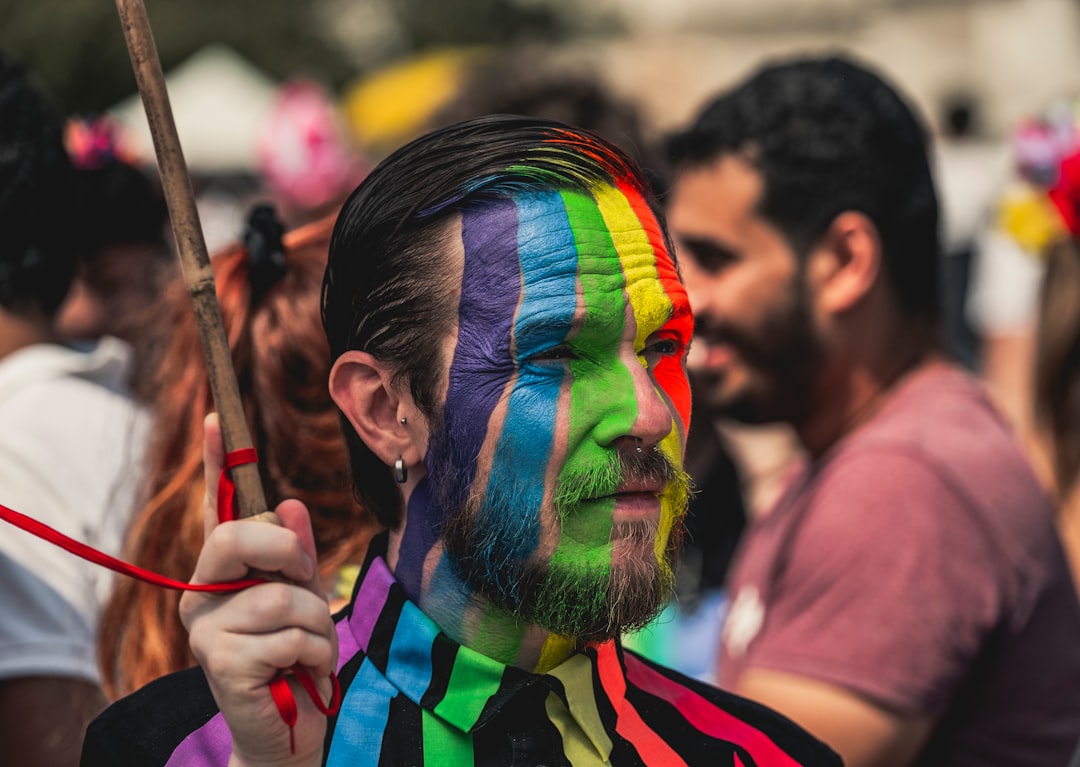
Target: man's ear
846,263
361,387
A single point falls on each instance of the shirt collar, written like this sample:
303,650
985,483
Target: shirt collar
464,687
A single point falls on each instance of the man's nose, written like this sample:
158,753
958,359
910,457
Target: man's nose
654,411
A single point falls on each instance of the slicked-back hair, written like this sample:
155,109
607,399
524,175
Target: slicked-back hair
387,289
829,135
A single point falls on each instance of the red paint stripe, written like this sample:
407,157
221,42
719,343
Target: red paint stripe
670,375
652,749
707,717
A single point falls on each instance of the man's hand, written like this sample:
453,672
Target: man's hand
864,734
242,640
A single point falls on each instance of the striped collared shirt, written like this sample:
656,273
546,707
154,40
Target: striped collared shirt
412,696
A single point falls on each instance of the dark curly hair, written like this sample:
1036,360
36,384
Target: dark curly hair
830,135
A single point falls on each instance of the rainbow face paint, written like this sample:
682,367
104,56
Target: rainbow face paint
573,326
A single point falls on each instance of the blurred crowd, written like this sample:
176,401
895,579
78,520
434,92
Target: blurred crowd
884,539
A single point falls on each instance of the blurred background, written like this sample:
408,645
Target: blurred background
388,66
1006,57
296,100
1012,55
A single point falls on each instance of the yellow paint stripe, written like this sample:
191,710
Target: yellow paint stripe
650,304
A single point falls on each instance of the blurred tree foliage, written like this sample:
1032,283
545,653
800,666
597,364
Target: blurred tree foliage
431,23
76,46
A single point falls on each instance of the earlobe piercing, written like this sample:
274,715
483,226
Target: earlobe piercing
404,421
637,444
400,472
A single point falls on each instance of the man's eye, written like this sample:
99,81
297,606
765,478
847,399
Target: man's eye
554,354
662,347
708,255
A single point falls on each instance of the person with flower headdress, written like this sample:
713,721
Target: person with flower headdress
70,442
1037,225
1003,296
126,260
1034,244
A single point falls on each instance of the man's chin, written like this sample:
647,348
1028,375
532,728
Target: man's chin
597,604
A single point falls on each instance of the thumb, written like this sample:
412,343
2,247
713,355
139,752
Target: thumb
213,460
294,516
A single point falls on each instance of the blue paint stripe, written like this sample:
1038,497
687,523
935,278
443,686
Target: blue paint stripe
545,245
362,720
486,316
409,664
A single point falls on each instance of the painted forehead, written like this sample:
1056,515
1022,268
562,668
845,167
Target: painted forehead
533,247
541,265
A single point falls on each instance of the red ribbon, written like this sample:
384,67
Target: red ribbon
226,508
226,489
90,554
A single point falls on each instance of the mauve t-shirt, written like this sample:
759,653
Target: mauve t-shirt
916,564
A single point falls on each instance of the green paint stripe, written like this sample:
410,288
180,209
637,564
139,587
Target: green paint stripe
473,680
595,394
444,744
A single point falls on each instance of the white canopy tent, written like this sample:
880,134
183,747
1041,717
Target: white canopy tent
220,101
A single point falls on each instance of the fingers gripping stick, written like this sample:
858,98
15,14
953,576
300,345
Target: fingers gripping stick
279,687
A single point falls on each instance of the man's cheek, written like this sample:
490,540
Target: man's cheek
670,375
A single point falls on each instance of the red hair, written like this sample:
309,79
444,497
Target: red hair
282,364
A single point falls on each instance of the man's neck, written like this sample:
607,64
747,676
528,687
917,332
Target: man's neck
852,390
17,331
472,621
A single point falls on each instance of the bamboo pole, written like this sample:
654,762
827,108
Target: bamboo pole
194,261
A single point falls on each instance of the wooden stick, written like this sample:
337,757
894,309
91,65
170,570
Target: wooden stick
194,261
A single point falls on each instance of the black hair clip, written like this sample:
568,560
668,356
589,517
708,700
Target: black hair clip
266,252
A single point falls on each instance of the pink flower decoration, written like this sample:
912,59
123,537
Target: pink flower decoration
303,154
1065,194
94,143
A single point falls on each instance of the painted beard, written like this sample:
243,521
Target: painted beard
589,603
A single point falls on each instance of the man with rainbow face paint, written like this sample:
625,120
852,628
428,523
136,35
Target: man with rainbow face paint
509,329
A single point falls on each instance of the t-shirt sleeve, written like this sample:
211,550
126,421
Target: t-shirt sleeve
888,587
48,603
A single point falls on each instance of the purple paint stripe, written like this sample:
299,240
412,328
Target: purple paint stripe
488,304
370,600
348,645
208,746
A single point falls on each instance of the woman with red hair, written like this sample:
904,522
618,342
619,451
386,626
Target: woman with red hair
268,287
